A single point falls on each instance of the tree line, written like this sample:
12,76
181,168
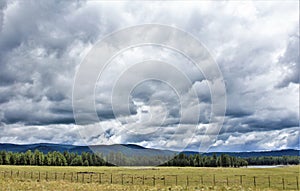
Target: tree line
198,160
274,160
225,160
56,158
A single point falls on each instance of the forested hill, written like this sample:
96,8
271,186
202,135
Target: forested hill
56,158
130,149
126,149
285,152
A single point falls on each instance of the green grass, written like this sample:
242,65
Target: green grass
188,178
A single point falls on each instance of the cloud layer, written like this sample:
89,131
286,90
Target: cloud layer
255,44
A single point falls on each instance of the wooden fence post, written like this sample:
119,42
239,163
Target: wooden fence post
143,179
91,178
297,182
111,178
227,181
283,186
187,180
241,179
214,179
154,180
269,179
99,178
254,181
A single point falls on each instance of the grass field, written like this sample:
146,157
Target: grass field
147,178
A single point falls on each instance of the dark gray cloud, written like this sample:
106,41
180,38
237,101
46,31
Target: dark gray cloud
257,49
37,68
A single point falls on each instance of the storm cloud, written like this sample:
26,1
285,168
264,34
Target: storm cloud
255,44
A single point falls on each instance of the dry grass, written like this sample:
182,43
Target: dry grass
164,178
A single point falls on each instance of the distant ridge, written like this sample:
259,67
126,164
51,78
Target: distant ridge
284,152
126,149
132,149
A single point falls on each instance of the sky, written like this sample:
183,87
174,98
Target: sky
255,44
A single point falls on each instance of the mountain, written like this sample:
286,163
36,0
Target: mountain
285,152
43,147
132,150
126,149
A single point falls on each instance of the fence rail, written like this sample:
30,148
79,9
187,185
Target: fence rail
278,182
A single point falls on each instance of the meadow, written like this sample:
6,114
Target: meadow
147,178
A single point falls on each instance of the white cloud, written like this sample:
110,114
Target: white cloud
256,45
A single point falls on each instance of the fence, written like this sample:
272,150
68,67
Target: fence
278,182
